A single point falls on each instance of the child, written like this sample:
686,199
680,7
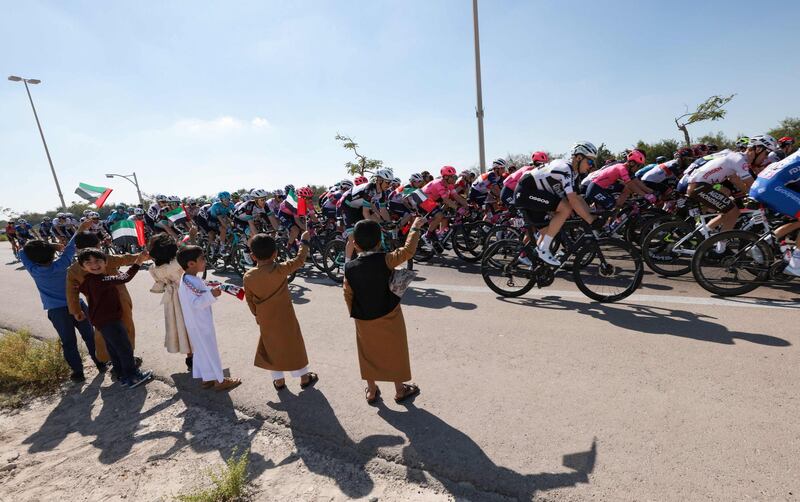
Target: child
75,276
106,312
50,277
167,273
196,300
281,347
380,328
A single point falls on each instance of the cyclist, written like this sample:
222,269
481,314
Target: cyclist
365,201
120,213
778,186
46,229
705,182
464,182
784,148
538,159
602,184
97,226
441,190
191,208
488,183
219,213
398,205
248,213
330,201
741,144
550,189
658,179
138,214
288,215
153,214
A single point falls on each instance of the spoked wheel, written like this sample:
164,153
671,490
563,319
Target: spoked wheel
609,270
503,272
425,252
467,242
333,260
737,269
664,252
498,233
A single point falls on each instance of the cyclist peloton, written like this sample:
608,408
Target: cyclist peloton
538,159
602,184
248,213
551,190
437,192
365,201
46,229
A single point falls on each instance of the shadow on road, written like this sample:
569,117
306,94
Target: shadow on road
310,413
433,299
452,458
654,320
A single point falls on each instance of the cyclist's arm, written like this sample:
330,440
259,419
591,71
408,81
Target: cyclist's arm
580,207
743,185
460,200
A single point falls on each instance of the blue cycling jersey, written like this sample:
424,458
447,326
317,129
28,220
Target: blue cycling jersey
116,216
218,209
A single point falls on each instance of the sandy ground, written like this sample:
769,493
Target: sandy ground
98,441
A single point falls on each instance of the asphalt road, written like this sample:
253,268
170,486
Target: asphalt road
669,395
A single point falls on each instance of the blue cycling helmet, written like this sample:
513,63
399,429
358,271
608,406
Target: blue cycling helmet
224,195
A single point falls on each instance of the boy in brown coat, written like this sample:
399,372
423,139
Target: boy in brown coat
380,327
281,347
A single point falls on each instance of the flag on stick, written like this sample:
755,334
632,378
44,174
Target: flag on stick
176,216
140,235
291,199
124,234
95,195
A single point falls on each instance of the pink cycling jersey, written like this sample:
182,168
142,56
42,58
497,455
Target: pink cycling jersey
437,189
512,179
607,176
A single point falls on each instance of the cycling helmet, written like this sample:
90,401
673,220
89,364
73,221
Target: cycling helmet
61,215
416,178
712,148
21,221
138,211
360,180
764,140
500,163
258,193
396,181
385,174
305,192
684,152
584,148
447,171
742,142
279,193
236,196
289,188
87,212
130,209
94,215
69,215
786,140
175,199
539,157
121,206
636,156
245,197
660,159
46,218
224,196
161,198
345,185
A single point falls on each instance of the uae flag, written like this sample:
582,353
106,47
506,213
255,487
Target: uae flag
299,205
95,195
127,233
176,216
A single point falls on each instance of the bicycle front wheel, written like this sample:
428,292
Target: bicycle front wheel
502,271
732,263
333,260
669,247
607,270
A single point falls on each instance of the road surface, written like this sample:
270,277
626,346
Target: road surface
669,395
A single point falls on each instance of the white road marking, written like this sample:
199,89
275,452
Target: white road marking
635,298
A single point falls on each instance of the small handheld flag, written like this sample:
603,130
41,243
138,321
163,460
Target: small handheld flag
176,216
231,289
124,234
95,195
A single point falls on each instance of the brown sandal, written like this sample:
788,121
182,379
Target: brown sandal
374,399
409,390
312,379
227,384
208,385
279,387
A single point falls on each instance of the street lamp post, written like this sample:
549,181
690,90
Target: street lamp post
135,182
479,110
34,81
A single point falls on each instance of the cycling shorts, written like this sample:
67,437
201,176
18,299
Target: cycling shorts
287,220
398,208
712,198
507,196
603,197
477,197
535,205
206,225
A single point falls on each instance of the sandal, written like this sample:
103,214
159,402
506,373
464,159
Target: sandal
227,384
278,387
208,385
409,390
374,399
312,379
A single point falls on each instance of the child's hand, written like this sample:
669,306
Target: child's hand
79,316
85,224
215,292
306,236
143,257
419,222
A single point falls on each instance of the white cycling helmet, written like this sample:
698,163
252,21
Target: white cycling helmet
500,163
93,214
21,221
764,140
345,184
69,215
161,198
87,212
385,174
61,215
584,148
258,193
138,211
174,199
397,181
279,192
416,178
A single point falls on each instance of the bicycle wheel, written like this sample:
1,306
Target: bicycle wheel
333,260
613,271
503,272
661,252
498,233
738,269
648,225
467,243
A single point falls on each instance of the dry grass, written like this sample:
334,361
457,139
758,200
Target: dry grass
229,485
29,367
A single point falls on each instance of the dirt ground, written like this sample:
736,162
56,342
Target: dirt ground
98,441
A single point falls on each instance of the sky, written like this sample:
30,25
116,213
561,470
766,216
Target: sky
198,97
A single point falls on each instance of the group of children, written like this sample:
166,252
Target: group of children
187,300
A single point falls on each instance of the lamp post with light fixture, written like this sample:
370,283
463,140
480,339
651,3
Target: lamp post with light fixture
134,181
34,81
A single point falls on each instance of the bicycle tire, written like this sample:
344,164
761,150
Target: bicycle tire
333,260
706,259
501,261
608,257
657,251
466,244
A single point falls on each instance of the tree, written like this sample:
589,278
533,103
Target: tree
711,109
603,154
663,148
790,126
363,164
718,139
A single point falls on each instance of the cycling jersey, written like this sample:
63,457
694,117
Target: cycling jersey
720,169
23,231
438,189
249,210
512,179
486,181
776,156
45,228
274,205
115,217
778,186
220,210
556,178
154,212
661,172
608,176
356,199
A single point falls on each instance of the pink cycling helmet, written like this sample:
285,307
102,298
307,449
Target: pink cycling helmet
540,157
636,156
360,180
448,171
305,192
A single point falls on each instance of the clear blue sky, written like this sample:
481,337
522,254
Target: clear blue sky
202,96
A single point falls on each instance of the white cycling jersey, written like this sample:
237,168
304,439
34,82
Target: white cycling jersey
719,169
555,177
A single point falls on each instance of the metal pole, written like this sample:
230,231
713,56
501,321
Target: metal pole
479,110
136,182
46,150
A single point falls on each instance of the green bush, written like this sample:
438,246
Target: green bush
229,485
29,366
